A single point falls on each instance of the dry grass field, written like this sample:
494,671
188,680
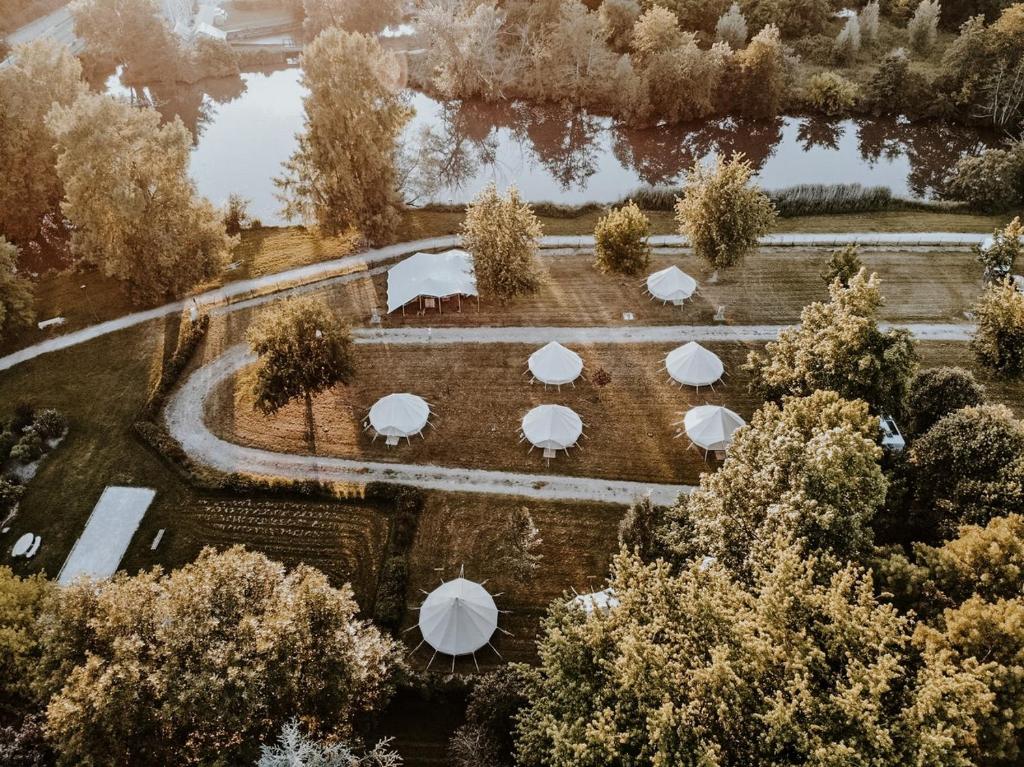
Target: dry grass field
772,286
480,394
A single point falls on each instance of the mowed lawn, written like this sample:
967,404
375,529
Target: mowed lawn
771,287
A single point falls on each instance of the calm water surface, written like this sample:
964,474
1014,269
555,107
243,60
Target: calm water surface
244,128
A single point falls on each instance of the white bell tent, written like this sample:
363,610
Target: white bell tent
555,365
458,618
431,276
398,415
671,284
551,428
693,365
710,427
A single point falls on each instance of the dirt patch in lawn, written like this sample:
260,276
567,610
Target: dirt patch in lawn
480,394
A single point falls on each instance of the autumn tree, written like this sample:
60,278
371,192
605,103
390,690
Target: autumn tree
487,737
692,668
344,173
37,76
620,240
999,256
135,210
21,601
793,18
758,76
303,349
617,19
998,341
502,234
968,468
804,474
642,530
198,665
134,33
838,345
937,392
16,295
351,15
696,15
721,213
843,265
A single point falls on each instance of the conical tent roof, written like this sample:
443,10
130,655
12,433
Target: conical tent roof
554,364
458,617
693,365
552,426
671,284
711,426
399,415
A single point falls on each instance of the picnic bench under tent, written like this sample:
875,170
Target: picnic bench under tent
458,618
430,279
671,285
555,365
710,427
552,428
693,365
398,415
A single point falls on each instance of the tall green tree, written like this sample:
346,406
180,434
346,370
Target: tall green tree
721,213
16,298
502,234
37,76
304,349
937,392
998,342
199,665
806,474
135,210
838,345
344,172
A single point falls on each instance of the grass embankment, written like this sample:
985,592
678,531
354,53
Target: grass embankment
86,298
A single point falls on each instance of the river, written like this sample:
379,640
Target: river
244,128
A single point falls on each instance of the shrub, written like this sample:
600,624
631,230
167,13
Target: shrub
24,412
502,234
847,41
389,608
831,93
28,448
937,392
10,494
236,214
999,339
923,26
807,199
50,423
843,265
617,20
894,88
620,240
1000,257
732,28
815,49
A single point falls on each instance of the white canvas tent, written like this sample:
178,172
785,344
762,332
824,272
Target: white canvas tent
458,618
432,276
551,428
671,284
555,365
399,415
710,427
693,365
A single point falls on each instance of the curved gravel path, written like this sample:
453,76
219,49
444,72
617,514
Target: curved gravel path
225,298
184,417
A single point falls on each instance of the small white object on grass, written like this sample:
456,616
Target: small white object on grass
156,539
720,313
22,545
53,322
628,316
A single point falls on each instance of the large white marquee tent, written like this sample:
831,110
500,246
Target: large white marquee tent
399,415
671,284
693,365
434,276
458,617
552,427
555,365
710,427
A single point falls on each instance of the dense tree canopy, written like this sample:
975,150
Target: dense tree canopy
135,210
936,392
344,173
131,32
620,240
352,15
502,234
199,665
839,346
38,76
804,474
15,293
998,341
304,349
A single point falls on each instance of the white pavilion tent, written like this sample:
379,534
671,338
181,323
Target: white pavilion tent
458,618
555,365
693,365
551,428
710,427
671,284
399,415
431,276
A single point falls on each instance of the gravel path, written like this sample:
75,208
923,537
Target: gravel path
232,296
184,417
